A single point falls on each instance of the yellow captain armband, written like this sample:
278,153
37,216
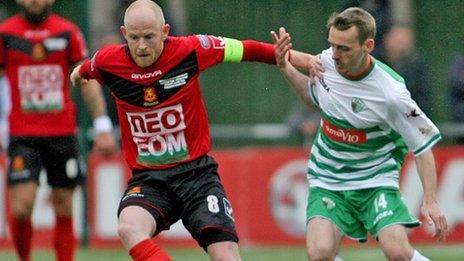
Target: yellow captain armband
233,51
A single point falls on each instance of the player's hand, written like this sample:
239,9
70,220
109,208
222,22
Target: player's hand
76,78
315,68
105,144
433,216
282,46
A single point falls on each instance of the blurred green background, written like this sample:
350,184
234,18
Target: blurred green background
256,93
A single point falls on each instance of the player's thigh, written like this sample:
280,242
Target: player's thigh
154,198
207,212
139,218
323,236
25,161
336,207
60,156
384,207
135,224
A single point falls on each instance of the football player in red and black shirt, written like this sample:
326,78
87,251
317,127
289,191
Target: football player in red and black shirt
37,50
165,132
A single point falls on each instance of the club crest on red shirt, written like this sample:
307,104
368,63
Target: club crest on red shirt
18,163
38,52
149,96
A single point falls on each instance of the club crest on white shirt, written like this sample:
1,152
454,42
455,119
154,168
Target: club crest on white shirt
357,104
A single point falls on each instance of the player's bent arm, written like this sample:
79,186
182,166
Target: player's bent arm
94,99
251,50
299,59
104,140
299,83
306,61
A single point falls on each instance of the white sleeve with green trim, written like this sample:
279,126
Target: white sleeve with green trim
417,130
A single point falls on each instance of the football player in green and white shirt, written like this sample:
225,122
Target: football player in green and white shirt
369,122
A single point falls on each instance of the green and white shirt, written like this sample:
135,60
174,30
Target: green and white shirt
366,129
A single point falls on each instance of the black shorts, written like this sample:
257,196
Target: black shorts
191,192
57,155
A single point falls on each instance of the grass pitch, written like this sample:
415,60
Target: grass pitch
436,253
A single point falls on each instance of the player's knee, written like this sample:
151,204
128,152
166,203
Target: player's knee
320,252
135,224
398,251
62,205
22,197
127,230
224,251
395,245
22,211
22,206
398,254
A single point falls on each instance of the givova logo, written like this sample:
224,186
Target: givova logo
159,135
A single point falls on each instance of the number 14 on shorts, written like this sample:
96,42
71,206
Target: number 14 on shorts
380,203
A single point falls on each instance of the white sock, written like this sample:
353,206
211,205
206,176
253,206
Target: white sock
338,258
418,257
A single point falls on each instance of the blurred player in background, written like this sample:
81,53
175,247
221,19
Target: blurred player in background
456,91
37,50
402,55
304,122
165,132
368,123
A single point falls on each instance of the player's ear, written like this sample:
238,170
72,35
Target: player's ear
50,2
369,44
123,31
166,28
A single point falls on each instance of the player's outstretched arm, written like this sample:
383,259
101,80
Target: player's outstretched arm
299,81
430,210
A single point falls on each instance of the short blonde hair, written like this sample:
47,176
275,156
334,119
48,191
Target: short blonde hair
354,16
